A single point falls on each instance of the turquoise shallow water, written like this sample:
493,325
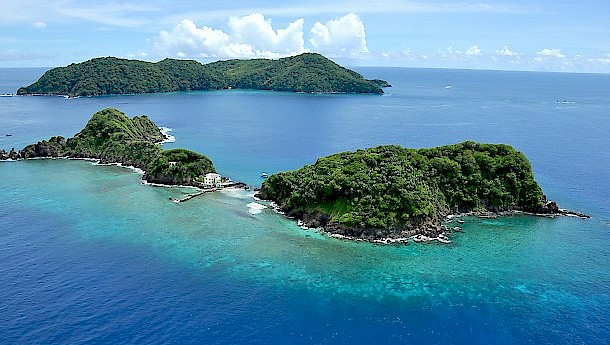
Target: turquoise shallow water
89,254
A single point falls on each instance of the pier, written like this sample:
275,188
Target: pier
207,189
190,196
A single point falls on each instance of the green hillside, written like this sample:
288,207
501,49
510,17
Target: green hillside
112,137
387,190
110,76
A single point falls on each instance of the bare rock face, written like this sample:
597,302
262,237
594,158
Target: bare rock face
547,207
13,154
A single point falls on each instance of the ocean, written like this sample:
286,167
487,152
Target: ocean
90,255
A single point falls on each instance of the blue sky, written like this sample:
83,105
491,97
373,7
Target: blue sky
572,36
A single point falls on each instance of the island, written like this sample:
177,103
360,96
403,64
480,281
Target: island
308,72
390,193
112,137
385,194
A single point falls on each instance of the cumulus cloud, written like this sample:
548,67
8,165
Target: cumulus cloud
256,31
550,53
187,40
554,60
340,36
39,25
473,51
505,51
450,53
249,36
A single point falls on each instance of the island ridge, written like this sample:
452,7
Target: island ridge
390,192
308,72
111,137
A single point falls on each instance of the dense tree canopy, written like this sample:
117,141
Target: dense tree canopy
106,76
179,166
395,187
112,137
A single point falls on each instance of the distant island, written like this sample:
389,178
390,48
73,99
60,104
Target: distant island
390,193
111,137
308,72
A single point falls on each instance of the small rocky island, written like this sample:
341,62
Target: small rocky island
390,193
308,72
111,137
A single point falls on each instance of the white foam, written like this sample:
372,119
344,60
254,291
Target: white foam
236,192
168,137
134,169
256,208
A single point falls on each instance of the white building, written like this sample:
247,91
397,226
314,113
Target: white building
212,179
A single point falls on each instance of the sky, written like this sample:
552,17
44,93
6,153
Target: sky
542,35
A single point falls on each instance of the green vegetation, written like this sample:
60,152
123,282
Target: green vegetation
179,166
108,76
112,137
391,187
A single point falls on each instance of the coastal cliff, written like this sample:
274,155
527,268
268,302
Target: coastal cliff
394,192
308,72
111,137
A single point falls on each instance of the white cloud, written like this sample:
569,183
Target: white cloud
450,53
257,32
250,36
254,36
603,60
553,60
505,51
39,25
550,53
473,51
339,37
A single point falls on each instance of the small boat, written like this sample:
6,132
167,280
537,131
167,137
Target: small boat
9,135
460,221
264,175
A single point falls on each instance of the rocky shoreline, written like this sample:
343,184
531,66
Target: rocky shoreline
419,231
111,138
440,231
200,190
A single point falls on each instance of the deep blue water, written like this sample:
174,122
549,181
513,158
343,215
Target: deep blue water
90,255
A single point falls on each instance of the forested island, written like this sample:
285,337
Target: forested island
112,137
385,193
308,72
391,192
